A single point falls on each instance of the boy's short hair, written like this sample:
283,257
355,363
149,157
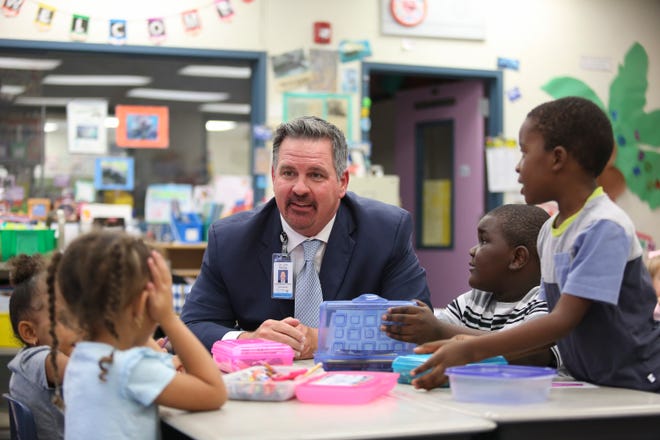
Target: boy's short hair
580,126
521,224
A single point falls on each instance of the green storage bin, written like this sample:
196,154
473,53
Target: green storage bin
28,241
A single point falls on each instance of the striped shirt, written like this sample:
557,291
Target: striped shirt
480,310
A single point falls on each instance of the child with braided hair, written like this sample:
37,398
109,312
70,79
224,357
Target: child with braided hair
33,376
119,290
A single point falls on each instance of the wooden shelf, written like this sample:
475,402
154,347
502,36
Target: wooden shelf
185,258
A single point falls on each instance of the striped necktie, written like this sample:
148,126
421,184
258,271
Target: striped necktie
308,287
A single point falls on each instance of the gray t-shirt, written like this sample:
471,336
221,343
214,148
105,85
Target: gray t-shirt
28,384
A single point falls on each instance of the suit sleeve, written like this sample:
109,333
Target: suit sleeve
207,310
404,278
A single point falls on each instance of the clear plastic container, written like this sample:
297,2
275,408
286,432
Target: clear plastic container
350,337
492,383
234,355
254,383
346,387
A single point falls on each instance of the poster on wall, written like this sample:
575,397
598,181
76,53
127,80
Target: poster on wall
143,126
324,70
86,126
333,107
114,173
291,69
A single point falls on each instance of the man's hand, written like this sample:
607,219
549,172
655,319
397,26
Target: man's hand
288,331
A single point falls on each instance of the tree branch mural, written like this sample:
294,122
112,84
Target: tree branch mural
636,159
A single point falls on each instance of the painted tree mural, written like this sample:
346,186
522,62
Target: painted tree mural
637,133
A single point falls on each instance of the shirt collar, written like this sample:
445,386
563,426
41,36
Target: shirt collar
294,238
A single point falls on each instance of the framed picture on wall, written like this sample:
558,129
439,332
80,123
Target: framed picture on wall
114,173
143,126
333,107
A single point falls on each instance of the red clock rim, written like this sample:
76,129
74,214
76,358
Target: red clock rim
408,23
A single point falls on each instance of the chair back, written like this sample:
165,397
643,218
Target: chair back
21,420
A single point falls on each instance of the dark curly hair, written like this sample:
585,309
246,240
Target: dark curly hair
97,276
580,126
25,272
521,224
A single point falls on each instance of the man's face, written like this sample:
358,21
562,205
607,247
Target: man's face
307,190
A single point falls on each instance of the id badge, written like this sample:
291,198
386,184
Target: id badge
282,277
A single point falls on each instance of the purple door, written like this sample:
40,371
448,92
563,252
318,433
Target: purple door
439,157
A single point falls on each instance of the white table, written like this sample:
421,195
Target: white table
395,415
600,413
570,413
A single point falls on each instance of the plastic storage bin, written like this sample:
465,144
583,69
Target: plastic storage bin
238,354
187,228
350,337
346,387
509,384
25,241
254,383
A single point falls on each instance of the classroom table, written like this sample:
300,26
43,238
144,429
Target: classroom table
390,416
573,411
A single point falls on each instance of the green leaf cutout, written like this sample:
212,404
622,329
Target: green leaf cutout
628,90
564,86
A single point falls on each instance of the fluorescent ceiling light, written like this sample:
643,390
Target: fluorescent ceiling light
96,80
11,90
28,63
111,122
45,101
177,95
220,125
235,109
216,71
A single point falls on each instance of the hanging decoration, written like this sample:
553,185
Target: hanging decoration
635,161
192,24
44,18
79,27
81,23
11,8
156,28
118,31
224,9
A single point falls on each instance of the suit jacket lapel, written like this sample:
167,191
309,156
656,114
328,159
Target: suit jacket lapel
337,254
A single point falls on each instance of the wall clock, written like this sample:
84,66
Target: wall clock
408,12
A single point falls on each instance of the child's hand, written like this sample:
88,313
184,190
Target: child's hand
159,303
415,324
448,353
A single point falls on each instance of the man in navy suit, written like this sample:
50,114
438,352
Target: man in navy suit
365,245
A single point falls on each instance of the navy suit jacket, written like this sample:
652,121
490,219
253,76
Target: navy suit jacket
369,251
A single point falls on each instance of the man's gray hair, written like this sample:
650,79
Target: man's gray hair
311,127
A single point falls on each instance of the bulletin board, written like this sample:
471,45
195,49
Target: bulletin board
334,108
